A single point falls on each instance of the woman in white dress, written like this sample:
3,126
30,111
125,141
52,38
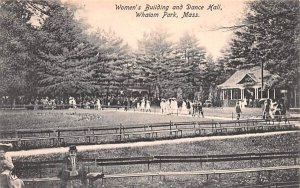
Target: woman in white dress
184,109
143,105
174,106
72,102
148,106
98,104
162,106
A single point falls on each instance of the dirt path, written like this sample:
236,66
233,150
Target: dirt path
138,144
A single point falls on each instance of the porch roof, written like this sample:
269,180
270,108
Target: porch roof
235,80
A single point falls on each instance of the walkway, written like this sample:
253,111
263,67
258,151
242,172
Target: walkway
82,148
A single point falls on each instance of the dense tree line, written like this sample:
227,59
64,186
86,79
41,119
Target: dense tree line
46,51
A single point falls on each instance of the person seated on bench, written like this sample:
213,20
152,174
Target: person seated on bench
6,166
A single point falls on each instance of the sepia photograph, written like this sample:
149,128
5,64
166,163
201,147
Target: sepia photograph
149,93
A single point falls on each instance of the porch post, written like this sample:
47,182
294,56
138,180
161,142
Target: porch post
268,93
223,94
241,94
255,93
231,94
274,94
295,97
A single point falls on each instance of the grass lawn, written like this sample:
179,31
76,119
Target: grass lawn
80,117
22,119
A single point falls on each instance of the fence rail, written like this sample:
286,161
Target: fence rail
207,173
49,137
165,159
252,167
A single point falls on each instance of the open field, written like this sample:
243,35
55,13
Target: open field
19,119
227,145
77,126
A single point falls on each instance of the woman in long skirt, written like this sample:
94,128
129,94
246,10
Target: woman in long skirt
148,106
143,105
184,109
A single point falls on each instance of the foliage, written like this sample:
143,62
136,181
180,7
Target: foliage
186,65
153,58
170,67
270,35
112,67
17,58
65,55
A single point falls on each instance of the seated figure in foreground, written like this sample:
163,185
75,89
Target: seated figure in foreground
7,179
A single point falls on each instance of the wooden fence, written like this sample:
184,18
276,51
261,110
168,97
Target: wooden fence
63,136
163,159
159,160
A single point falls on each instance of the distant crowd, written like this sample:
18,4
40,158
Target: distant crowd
142,104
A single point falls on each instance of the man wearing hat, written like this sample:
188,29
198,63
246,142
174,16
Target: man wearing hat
6,167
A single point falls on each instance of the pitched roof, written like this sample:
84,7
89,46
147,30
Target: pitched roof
254,73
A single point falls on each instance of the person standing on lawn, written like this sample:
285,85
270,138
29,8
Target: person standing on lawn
148,106
98,104
200,109
143,104
238,110
7,179
267,109
162,105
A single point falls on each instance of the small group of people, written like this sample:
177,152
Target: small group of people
169,106
274,109
271,109
87,104
143,105
197,109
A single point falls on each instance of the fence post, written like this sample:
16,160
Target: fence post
120,131
159,163
58,136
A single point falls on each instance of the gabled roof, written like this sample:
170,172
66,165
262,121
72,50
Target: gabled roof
249,77
234,81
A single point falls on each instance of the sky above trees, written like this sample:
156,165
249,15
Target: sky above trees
60,58
103,14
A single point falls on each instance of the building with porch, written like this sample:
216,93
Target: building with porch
245,85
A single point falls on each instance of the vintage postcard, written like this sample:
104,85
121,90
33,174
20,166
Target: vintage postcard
140,93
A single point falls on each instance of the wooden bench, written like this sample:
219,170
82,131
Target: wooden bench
152,133
146,133
164,131
203,172
220,130
287,126
196,130
24,140
95,136
41,179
